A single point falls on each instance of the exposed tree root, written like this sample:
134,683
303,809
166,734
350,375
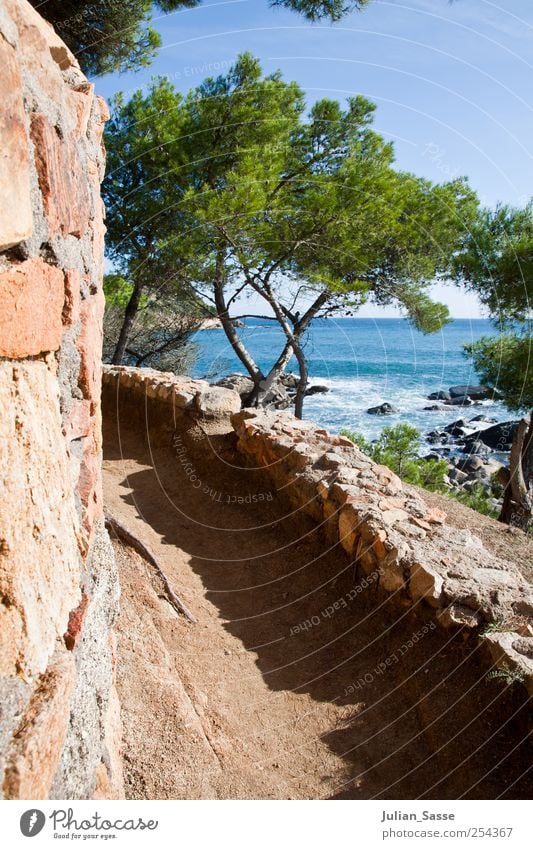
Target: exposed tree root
130,539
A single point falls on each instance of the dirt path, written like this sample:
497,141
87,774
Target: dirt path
275,693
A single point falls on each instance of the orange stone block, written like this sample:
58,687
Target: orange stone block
62,181
28,292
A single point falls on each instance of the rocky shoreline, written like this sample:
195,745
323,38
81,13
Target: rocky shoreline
476,448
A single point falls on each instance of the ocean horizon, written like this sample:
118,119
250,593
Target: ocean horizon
365,362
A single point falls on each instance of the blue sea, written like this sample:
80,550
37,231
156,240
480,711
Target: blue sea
364,362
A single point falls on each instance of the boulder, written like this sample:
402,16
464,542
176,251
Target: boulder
459,401
435,438
384,409
239,383
439,396
476,393
457,476
482,418
475,446
498,437
289,381
317,389
217,402
469,465
460,423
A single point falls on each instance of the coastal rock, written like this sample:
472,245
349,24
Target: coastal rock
239,383
471,464
498,437
384,409
475,393
482,418
317,389
441,395
289,381
459,401
475,447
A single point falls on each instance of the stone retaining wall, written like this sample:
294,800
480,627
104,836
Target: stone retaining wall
382,524
385,526
59,719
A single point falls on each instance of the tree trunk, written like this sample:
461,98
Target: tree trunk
231,333
129,317
517,508
304,378
264,384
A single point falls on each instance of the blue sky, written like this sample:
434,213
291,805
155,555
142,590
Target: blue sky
453,82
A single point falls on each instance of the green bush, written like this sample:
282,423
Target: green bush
398,448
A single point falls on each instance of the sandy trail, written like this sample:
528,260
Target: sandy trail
275,693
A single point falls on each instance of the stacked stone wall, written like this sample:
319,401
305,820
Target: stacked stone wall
59,718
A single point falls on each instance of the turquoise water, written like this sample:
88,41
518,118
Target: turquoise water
365,362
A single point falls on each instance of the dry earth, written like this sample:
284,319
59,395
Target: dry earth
247,704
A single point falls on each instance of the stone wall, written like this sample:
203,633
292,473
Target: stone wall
383,524
59,720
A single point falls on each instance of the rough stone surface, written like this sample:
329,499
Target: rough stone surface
196,399
60,178
33,755
15,210
59,721
86,746
40,562
28,291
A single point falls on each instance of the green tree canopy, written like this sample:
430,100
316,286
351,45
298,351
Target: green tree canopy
245,192
496,262
309,212
117,35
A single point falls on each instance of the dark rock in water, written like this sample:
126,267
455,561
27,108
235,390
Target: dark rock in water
476,393
383,410
432,456
498,437
436,438
457,431
482,418
433,407
439,396
460,401
458,425
317,389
